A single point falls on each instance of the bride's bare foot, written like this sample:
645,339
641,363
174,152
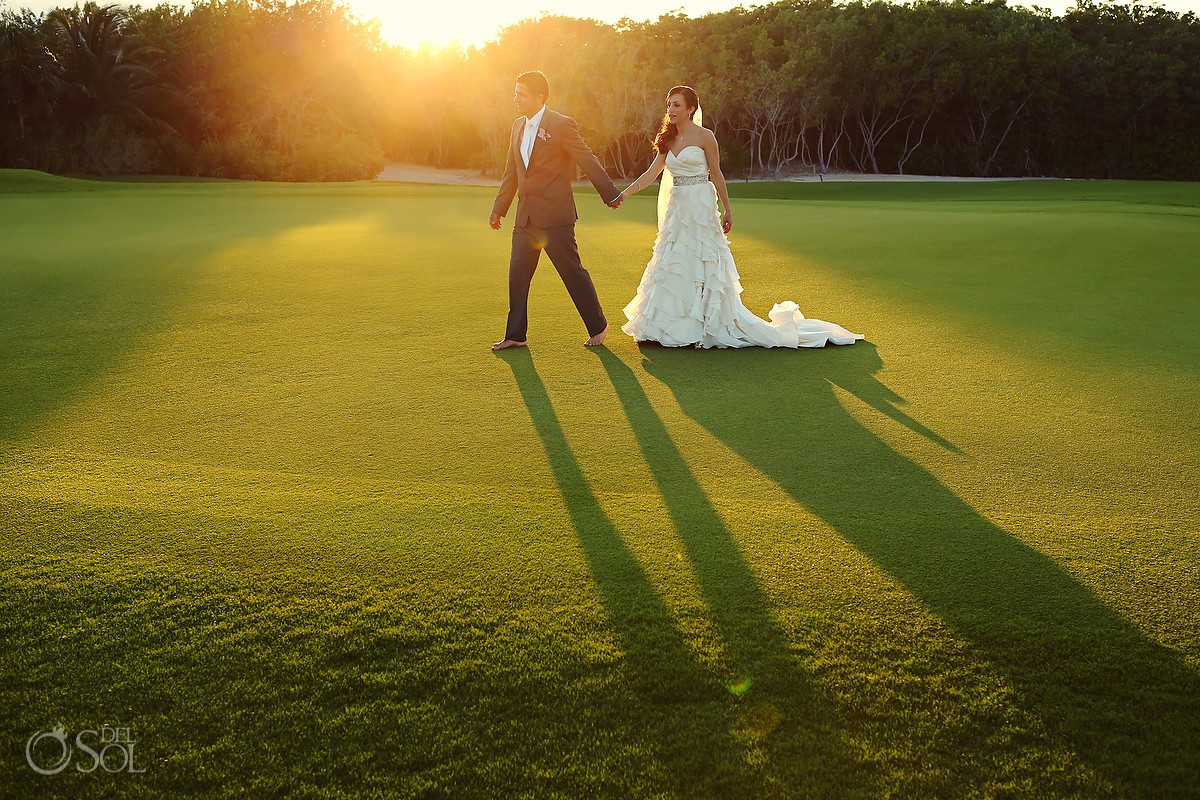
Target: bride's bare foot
598,339
507,343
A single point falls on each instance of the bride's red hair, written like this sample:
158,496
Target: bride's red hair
668,131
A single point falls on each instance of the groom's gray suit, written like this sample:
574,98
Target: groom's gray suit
546,216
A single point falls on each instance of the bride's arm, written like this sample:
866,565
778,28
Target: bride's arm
717,177
646,177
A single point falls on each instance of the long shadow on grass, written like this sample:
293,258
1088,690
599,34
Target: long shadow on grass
780,698
691,710
1129,707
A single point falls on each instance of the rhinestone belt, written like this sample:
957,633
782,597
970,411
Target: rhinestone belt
689,180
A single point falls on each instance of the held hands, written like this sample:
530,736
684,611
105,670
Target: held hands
615,203
630,190
494,221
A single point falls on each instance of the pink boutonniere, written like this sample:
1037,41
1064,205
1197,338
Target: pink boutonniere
543,135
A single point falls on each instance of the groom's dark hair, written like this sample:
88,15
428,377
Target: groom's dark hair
536,82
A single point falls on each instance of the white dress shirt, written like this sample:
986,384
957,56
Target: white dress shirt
530,136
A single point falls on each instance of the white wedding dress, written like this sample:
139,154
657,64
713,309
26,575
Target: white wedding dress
690,292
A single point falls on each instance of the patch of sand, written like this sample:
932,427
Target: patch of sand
417,173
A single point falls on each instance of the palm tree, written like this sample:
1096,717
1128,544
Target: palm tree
102,74
28,76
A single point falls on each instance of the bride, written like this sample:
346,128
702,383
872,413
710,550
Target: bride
689,293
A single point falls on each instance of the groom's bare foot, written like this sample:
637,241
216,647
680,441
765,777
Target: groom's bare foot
507,343
598,339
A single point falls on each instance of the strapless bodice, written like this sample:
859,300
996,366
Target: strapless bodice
690,163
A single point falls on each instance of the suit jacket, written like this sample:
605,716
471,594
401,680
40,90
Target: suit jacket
543,190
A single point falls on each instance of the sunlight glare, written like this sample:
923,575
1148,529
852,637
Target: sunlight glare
474,22
471,23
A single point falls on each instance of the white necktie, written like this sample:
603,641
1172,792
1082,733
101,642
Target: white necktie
527,142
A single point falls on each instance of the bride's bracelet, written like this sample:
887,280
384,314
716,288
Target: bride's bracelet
632,189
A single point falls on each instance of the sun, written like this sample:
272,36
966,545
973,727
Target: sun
474,22
439,24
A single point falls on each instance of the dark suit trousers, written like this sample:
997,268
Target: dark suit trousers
559,243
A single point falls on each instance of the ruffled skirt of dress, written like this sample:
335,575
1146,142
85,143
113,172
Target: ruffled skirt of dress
690,293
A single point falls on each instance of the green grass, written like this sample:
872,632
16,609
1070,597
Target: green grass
269,501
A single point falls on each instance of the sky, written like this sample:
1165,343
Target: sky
409,23
476,21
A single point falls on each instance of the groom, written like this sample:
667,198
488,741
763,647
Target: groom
542,152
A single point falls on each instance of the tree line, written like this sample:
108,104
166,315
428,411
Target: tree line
270,89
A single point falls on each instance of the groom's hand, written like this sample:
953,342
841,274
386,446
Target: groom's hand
616,202
494,221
